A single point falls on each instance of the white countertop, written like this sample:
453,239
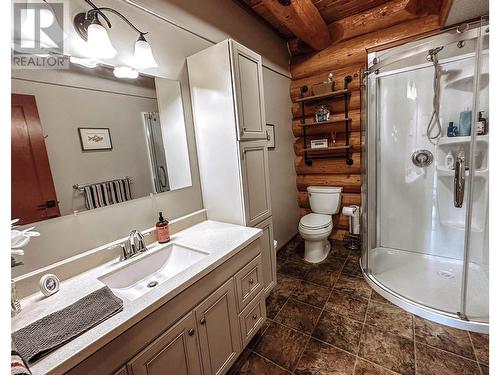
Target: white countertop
220,240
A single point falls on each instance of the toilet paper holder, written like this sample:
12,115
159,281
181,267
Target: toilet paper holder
353,240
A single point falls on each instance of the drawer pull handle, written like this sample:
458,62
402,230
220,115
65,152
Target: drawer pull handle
202,320
250,281
254,316
191,332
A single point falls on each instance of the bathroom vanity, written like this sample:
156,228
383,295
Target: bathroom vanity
195,321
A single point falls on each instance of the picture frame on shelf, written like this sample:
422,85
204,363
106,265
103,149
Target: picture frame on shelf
271,137
95,139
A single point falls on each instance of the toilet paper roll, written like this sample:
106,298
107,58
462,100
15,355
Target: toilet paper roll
349,210
353,213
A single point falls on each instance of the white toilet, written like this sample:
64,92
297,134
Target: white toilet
315,228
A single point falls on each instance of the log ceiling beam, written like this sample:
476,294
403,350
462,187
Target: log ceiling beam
303,19
389,14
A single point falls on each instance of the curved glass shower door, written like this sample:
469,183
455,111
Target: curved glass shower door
426,203
475,303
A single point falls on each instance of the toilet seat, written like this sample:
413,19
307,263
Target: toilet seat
315,222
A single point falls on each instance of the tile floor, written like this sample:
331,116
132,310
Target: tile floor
325,319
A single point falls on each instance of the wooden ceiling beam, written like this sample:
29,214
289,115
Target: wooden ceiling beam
303,19
353,51
375,19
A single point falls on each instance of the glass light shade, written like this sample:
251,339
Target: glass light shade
125,72
98,42
143,55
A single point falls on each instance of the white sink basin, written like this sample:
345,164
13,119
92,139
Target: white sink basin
141,275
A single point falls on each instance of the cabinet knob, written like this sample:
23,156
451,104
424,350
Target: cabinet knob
202,320
250,281
191,332
254,316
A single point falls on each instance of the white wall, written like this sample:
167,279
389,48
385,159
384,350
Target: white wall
213,21
283,188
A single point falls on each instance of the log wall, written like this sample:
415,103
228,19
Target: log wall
347,57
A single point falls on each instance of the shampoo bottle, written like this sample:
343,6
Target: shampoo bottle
162,230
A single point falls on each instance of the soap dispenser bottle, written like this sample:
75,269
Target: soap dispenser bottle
162,230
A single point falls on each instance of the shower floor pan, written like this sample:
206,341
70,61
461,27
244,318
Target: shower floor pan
430,286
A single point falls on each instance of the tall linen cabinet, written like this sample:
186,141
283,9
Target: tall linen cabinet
229,115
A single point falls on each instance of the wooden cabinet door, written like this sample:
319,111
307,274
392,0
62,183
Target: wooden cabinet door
249,92
218,328
173,353
255,178
268,254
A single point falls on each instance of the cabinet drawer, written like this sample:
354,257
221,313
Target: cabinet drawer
252,318
249,282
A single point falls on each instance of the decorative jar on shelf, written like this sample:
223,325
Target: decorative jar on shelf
322,113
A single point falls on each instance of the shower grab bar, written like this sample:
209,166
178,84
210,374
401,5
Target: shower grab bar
459,180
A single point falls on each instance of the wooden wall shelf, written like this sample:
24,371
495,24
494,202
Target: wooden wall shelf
336,121
345,94
328,95
327,148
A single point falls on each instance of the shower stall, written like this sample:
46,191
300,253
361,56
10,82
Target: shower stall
425,183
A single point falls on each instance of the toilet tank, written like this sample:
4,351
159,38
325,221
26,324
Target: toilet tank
324,199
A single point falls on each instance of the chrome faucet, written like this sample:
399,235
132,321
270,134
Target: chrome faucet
133,246
136,242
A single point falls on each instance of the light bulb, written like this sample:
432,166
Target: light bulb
98,41
143,55
125,72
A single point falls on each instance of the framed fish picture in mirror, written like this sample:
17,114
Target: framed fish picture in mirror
95,139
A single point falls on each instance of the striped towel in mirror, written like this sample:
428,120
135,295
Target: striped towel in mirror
105,194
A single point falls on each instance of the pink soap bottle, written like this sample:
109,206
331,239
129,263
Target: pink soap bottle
162,230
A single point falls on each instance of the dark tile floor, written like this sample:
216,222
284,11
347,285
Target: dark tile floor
325,319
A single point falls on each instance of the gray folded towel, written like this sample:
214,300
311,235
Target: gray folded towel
56,329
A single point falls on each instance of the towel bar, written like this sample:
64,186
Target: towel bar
83,186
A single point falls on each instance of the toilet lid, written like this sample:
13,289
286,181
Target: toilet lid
316,221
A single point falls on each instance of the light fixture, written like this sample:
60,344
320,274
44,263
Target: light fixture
89,27
125,72
98,41
143,56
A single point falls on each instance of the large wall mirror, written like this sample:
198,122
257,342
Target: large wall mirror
83,139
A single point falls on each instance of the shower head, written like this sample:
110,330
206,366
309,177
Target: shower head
433,53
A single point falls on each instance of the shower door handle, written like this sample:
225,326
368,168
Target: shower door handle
459,181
